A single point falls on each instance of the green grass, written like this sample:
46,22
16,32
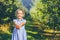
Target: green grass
32,32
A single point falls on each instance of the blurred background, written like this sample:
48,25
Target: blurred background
43,18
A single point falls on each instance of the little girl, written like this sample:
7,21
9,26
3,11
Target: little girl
19,32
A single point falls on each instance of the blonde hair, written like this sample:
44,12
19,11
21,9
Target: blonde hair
19,10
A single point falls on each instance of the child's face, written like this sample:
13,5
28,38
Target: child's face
20,14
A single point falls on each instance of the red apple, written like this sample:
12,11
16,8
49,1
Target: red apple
17,27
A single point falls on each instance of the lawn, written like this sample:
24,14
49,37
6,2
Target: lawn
32,32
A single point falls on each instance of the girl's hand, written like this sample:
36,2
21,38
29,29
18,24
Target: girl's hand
17,26
22,23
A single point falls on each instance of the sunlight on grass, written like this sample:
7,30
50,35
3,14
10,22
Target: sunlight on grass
32,32
30,37
5,19
5,28
49,30
46,39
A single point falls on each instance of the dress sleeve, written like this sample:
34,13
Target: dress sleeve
14,20
24,20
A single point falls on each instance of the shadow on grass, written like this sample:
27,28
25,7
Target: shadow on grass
33,32
5,32
5,36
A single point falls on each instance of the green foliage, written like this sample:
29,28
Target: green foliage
8,8
46,13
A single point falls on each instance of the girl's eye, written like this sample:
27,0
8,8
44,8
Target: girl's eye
19,13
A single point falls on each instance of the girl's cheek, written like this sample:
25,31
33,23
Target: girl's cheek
20,15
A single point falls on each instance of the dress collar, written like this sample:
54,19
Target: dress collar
20,20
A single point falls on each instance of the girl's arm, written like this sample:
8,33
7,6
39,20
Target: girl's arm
16,24
19,26
22,23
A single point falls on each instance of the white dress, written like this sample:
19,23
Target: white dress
19,34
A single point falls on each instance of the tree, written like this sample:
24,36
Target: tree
45,13
8,8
